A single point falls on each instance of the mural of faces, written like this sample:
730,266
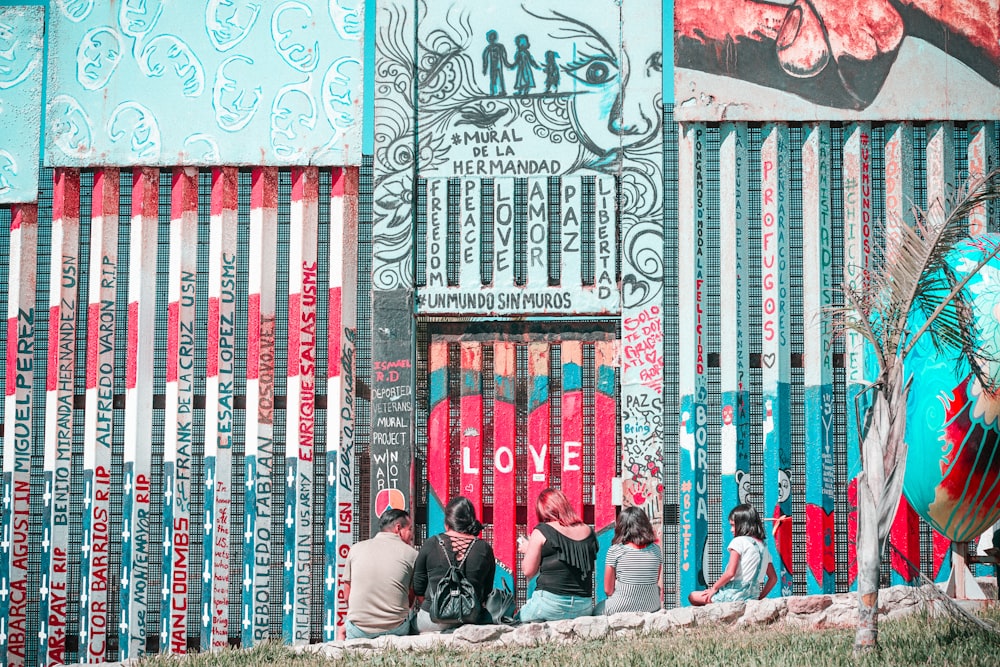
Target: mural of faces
338,92
228,22
69,126
137,18
235,98
98,56
293,119
133,123
292,30
169,57
346,17
201,147
17,59
606,117
75,10
8,171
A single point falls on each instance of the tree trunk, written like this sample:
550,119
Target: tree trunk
869,569
880,485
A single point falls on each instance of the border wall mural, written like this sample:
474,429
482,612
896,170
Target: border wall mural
177,375
527,91
21,46
214,82
836,59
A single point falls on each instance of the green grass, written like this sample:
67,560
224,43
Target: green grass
917,640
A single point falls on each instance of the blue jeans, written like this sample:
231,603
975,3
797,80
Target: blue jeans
401,630
546,606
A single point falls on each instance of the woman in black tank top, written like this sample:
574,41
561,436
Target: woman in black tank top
561,551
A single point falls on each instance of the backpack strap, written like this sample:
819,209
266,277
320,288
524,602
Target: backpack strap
447,556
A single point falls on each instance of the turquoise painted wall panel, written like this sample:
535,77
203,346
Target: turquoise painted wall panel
21,47
161,82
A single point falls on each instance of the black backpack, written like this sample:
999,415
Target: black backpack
454,598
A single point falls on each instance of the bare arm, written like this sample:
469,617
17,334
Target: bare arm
532,554
772,579
609,580
342,629
731,569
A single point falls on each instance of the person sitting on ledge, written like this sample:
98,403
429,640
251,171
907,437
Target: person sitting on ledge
377,576
749,560
562,551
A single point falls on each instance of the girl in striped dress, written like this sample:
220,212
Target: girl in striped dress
633,573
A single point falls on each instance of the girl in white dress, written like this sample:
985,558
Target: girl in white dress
749,562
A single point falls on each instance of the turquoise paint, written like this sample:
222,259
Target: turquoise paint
22,62
227,84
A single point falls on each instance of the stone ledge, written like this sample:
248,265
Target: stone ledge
812,611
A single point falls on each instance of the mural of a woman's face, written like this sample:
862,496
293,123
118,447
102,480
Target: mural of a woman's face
339,84
234,95
293,35
135,123
606,116
8,171
97,57
346,17
69,126
228,22
293,119
169,56
138,17
17,59
75,10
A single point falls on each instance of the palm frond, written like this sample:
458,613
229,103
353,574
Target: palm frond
917,279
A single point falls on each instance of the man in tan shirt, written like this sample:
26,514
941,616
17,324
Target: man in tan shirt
377,580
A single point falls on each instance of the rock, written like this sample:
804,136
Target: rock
591,627
764,611
477,634
563,626
723,612
331,652
809,604
626,621
531,634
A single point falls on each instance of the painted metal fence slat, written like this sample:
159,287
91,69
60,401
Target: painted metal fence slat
471,423
571,454
95,545
539,456
817,264
734,353
18,434
341,423
137,462
470,234
504,455
438,435
180,399
302,286
693,361
898,151
261,317
983,158
220,393
857,211
775,349
64,277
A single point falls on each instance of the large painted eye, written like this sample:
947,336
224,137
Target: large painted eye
593,71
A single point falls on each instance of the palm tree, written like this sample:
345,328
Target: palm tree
918,288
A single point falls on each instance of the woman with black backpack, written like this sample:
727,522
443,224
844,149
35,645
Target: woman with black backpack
454,571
